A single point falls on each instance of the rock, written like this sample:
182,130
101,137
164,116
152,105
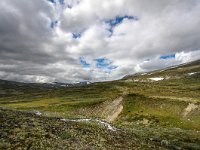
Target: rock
165,142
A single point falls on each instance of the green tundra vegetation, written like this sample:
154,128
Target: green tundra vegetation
154,110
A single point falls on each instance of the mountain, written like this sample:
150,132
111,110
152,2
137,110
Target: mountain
151,110
8,88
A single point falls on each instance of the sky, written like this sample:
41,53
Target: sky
95,40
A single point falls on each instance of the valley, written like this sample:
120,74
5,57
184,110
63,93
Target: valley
152,110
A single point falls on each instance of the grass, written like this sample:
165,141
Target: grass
70,101
158,112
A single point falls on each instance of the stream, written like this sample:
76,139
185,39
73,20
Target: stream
101,122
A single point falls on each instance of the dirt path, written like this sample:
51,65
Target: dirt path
185,99
113,116
113,109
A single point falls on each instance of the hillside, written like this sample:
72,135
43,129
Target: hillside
152,110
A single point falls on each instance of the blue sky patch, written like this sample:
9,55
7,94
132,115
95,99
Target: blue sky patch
117,20
112,67
100,63
52,1
76,35
83,62
104,63
167,56
54,24
62,2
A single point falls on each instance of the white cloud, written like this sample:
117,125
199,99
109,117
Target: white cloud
158,63
185,57
30,50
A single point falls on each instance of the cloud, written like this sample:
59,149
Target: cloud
169,60
185,57
78,40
